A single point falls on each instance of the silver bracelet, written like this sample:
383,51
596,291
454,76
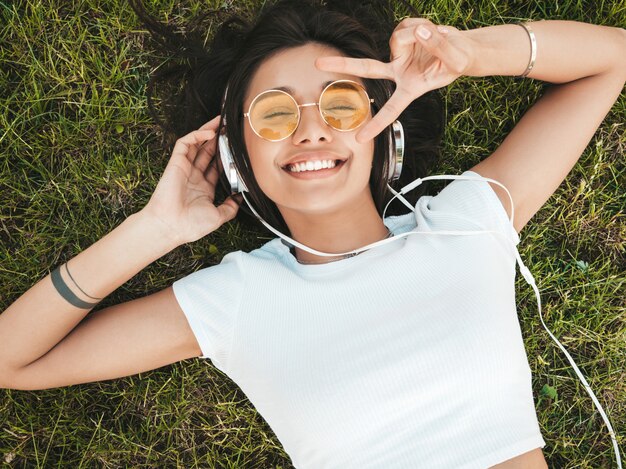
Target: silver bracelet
533,49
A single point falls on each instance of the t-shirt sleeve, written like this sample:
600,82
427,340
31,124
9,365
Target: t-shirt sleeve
210,299
466,205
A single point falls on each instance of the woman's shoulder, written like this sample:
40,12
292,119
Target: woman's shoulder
465,204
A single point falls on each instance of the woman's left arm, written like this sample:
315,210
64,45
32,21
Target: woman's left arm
566,50
586,62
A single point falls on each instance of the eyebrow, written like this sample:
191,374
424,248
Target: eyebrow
291,91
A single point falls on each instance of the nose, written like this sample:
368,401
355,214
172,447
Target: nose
312,128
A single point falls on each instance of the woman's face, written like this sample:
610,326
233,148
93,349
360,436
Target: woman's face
313,192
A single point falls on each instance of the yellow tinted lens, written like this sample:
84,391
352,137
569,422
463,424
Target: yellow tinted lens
274,115
344,105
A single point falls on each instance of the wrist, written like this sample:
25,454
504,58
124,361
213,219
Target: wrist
474,52
498,50
158,233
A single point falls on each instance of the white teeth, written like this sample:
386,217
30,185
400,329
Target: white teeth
311,166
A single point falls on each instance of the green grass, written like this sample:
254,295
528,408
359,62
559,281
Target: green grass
79,154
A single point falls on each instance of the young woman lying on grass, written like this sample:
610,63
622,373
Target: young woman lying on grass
401,355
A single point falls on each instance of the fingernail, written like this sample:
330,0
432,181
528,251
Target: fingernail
443,30
423,32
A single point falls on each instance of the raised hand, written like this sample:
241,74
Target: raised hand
424,57
183,199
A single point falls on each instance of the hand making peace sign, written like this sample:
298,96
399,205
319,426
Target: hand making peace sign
424,57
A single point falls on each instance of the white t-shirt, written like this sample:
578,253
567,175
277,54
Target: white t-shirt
407,355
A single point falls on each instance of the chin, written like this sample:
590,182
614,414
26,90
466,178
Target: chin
311,209
328,205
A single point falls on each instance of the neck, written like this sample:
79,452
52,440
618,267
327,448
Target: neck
335,232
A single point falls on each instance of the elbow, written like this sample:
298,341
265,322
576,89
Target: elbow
12,379
7,378
615,51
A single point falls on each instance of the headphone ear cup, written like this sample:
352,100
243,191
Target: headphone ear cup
396,150
228,163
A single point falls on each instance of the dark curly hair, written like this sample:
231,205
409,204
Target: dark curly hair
359,29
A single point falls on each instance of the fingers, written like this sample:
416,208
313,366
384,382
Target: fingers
204,156
213,124
186,147
402,39
411,22
191,144
228,210
387,115
184,152
210,172
433,39
367,68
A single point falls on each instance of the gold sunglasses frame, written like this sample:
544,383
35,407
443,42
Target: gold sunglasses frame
298,106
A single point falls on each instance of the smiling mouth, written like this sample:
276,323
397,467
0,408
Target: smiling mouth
312,166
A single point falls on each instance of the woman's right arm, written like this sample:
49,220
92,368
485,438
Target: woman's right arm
47,342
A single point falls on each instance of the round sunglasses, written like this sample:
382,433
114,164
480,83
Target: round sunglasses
274,114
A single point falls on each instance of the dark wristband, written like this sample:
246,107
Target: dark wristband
66,293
